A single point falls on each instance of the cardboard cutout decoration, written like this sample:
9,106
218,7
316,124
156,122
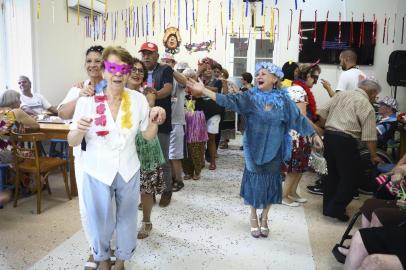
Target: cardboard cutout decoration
199,47
172,40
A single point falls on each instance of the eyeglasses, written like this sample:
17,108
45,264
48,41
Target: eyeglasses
22,82
137,70
315,78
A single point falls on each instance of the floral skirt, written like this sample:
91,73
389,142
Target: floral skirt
152,182
299,162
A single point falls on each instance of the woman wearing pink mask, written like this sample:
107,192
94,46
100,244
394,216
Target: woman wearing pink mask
109,122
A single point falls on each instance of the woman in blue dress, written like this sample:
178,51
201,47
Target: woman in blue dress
270,114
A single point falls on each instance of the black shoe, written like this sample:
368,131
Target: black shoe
365,192
356,195
318,182
342,217
165,199
316,189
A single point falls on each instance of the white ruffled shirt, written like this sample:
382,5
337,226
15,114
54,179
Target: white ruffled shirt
105,156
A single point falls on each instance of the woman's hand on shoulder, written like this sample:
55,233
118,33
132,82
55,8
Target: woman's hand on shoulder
317,142
87,91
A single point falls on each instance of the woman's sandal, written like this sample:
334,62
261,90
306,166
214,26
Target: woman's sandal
264,230
340,257
196,177
144,231
187,177
212,167
255,232
177,185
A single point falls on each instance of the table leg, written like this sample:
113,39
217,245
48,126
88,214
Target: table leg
72,177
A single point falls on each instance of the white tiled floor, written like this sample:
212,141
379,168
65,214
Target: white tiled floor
207,227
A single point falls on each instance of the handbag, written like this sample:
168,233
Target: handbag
318,163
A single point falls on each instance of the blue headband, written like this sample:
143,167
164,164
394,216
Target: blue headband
273,69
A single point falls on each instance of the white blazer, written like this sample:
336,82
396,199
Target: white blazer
116,152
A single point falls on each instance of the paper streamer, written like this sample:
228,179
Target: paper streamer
394,29
221,19
178,14
339,29
403,28
373,41
78,14
67,11
197,15
187,24
387,32
153,17
193,12
229,10
130,15
290,28
384,29
325,30
208,17
300,32
315,27
38,8
91,11
272,26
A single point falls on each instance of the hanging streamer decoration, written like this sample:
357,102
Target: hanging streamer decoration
387,32
221,19
78,14
373,41
187,26
362,32
262,7
197,15
300,31
91,11
208,17
178,14
394,28
325,31
142,21
193,13
53,11
164,16
290,29
232,20
403,28
272,26
138,24
339,29
315,27
147,21
130,15
38,8
295,4
153,18
277,9
67,11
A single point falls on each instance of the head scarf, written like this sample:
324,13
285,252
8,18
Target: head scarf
272,68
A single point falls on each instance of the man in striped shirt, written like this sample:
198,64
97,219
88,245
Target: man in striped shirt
347,118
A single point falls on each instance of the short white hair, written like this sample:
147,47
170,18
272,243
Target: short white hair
189,73
370,83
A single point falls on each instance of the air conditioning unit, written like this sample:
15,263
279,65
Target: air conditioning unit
85,6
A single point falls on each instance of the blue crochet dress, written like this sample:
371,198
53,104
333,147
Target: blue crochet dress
269,117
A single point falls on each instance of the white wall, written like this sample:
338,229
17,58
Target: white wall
60,47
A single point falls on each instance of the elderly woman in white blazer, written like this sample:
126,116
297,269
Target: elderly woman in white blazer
109,122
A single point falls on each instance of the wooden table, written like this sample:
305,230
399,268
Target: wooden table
60,131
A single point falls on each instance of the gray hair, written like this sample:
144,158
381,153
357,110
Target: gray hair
189,73
9,98
370,84
24,78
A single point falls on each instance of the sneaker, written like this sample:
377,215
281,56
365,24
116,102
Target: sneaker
165,199
316,189
365,192
355,197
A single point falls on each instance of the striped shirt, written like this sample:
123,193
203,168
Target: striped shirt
352,113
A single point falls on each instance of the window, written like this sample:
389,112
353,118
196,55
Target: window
245,52
15,43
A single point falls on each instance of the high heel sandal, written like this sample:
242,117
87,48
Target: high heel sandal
264,230
255,231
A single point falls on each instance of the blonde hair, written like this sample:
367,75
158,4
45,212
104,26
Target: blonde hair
118,51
